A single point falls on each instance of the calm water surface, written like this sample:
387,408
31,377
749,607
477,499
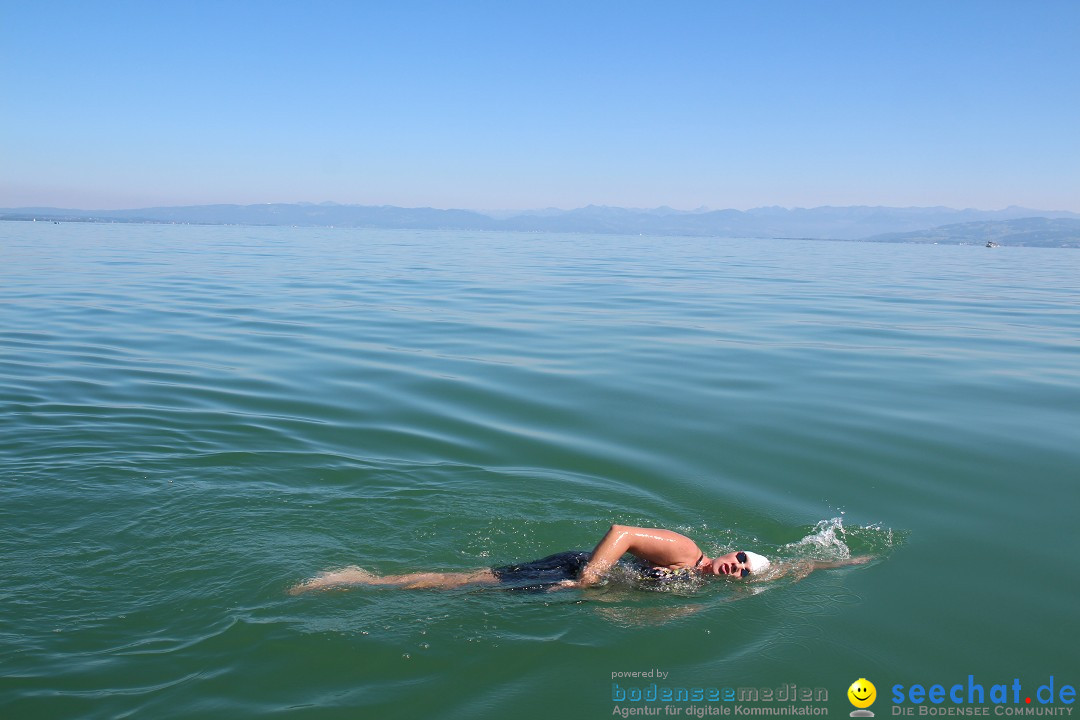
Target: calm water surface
193,419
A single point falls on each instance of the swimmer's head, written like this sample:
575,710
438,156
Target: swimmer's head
737,564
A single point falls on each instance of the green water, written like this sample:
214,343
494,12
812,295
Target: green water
193,419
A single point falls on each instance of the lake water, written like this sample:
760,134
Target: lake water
193,419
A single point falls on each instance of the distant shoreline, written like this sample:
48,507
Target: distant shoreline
1015,227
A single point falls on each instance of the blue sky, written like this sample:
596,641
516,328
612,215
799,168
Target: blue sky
512,105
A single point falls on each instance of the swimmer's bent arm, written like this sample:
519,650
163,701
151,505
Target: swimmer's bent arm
651,544
614,544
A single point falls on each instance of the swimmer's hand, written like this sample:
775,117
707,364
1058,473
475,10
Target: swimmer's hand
565,585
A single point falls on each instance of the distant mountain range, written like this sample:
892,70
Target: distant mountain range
1012,226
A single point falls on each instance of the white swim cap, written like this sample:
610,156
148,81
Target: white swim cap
755,562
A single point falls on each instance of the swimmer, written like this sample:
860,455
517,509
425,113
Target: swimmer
662,555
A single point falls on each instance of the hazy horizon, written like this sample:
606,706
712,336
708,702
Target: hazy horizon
496,212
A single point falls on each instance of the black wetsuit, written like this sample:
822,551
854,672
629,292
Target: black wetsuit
543,573
547,572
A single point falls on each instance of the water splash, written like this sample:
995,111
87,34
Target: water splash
832,540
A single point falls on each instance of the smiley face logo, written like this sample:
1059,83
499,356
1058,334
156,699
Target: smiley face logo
862,693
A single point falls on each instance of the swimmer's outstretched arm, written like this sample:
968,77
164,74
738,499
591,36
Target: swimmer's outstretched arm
825,565
802,568
352,576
